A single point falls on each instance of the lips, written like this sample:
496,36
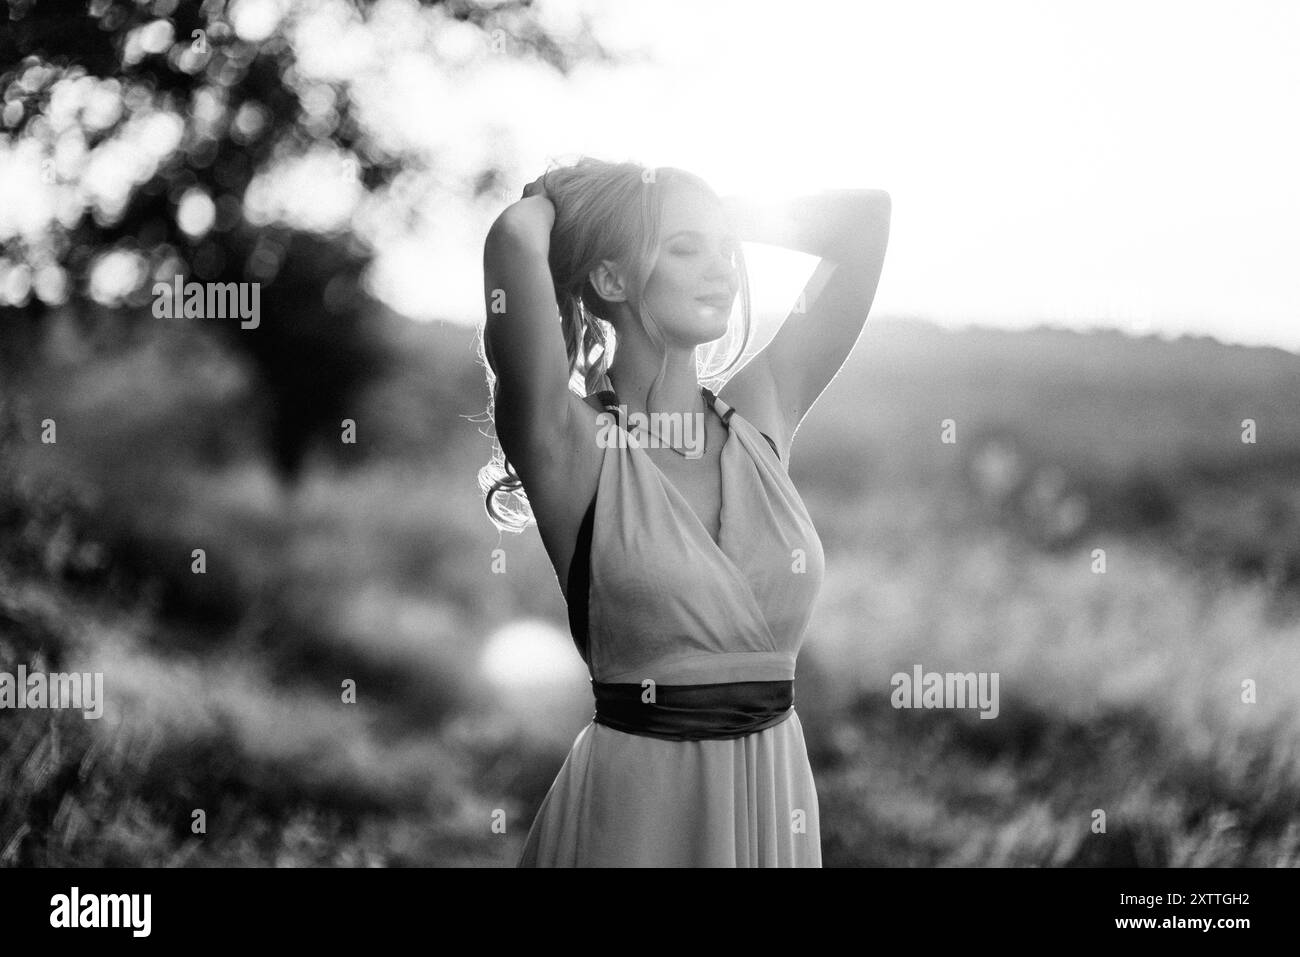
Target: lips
717,302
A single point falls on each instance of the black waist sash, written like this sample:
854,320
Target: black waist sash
694,712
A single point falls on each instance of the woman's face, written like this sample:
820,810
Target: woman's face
694,282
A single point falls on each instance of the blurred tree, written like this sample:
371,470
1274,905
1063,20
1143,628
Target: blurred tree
154,125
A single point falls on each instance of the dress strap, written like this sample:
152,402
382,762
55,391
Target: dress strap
609,399
713,400
726,417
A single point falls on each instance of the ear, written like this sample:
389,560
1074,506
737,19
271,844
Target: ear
608,281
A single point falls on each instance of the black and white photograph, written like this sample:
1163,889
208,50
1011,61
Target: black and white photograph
490,434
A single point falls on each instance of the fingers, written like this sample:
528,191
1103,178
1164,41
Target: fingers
535,188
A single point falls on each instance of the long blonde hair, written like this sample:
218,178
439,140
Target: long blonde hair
604,211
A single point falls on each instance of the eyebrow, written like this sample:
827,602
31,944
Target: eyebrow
729,237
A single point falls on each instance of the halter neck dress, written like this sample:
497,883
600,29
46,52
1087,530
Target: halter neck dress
653,596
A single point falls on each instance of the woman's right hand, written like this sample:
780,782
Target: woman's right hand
536,188
534,212
531,216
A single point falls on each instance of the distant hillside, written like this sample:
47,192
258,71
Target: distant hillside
1060,432
1101,402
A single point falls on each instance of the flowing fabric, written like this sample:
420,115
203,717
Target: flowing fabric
668,604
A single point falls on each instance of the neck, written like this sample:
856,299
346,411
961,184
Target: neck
678,390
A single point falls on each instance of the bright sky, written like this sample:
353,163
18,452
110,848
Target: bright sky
1126,164
1109,163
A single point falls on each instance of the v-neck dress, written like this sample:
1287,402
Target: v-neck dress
665,601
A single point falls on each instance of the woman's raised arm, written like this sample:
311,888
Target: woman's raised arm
849,229
522,337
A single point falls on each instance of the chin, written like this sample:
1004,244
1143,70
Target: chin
699,331
710,333
715,334
712,328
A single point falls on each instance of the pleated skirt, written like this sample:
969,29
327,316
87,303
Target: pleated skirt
628,800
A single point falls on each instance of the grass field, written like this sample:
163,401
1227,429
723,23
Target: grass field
1121,691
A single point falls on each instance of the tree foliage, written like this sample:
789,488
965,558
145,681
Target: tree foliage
154,125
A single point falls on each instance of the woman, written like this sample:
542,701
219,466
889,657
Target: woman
687,559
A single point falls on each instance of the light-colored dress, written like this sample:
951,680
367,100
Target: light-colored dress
665,602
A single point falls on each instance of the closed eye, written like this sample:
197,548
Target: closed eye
731,252
730,247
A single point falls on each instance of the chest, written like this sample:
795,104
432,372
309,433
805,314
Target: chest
698,481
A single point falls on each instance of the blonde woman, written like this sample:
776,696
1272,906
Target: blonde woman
684,552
